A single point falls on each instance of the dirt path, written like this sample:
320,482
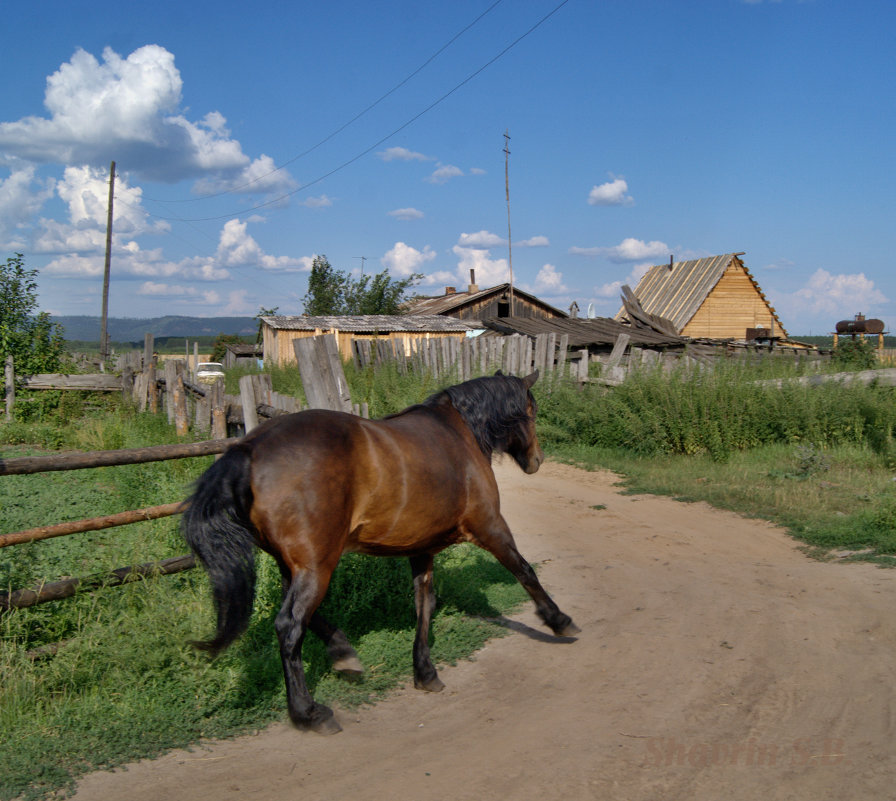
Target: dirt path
716,662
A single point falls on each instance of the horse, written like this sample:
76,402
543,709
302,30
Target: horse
310,486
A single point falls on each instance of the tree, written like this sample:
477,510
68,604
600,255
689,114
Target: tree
36,344
335,292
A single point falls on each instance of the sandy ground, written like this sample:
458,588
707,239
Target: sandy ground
715,662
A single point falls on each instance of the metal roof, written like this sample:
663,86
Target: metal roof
374,323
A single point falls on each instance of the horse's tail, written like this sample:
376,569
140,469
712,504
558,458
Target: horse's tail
217,528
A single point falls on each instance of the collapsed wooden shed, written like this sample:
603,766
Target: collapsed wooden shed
279,331
712,298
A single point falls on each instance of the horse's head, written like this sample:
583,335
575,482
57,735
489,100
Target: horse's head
522,442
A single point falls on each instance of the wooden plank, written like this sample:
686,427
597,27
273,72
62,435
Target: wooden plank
56,590
96,382
248,402
91,524
76,461
618,350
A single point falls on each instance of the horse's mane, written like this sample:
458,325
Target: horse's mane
492,407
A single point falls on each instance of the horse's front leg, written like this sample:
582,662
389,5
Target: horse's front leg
425,675
301,599
498,540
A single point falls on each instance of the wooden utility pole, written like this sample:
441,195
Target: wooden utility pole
507,193
104,333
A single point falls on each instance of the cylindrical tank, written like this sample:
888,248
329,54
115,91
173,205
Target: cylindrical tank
862,326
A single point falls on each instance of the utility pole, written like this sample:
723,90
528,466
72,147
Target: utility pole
363,259
507,193
104,333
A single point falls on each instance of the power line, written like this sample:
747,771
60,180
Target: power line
376,144
341,128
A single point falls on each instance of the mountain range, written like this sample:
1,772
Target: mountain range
126,329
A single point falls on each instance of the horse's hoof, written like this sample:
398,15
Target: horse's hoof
433,685
326,727
349,666
321,721
570,630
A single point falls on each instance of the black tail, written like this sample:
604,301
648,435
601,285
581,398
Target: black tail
217,528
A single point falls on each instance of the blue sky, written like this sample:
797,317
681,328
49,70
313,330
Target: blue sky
250,139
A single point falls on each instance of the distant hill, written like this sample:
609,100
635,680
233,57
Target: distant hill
126,329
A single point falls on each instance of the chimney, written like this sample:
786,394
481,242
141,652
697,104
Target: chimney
450,290
474,287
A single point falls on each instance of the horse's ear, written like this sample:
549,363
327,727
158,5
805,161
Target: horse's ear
530,379
498,372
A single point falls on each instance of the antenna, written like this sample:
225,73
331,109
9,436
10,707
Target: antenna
507,192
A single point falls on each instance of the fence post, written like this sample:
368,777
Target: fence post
179,404
10,378
247,398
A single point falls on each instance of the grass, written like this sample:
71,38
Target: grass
125,684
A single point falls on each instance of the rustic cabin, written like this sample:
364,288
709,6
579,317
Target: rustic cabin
711,298
484,304
279,332
239,355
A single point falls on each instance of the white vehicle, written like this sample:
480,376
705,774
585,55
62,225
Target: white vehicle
209,372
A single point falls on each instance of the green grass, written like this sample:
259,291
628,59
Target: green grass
124,684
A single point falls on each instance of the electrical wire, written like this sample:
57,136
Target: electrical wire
348,162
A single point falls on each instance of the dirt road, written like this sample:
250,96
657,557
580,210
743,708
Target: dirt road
715,662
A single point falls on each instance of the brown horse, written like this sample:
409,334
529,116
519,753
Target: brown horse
308,487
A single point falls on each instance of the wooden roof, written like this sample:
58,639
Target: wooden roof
677,293
373,323
445,304
583,332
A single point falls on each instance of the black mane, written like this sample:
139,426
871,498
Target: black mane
492,406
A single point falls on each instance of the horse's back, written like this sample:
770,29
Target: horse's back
396,485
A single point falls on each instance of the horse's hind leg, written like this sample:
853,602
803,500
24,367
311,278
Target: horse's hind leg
301,599
425,675
344,658
499,541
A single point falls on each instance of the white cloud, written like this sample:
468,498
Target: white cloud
402,154
130,107
477,171
629,249
481,239
20,202
838,294
488,271
319,202
613,193
534,242
237,248
403,260
406,214
444,173
549,281
261,176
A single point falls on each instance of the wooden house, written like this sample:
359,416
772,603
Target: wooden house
238,355
484,304
713,298
279,332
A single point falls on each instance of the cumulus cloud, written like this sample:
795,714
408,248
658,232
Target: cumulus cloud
629,249
444,173
613,193
402,154
835,294
403,260
130,107
237,248
488,271
480,239
21,198
406,214
534,242
319,202
549,281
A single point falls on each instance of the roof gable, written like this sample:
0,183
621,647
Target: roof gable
444,304
676,291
